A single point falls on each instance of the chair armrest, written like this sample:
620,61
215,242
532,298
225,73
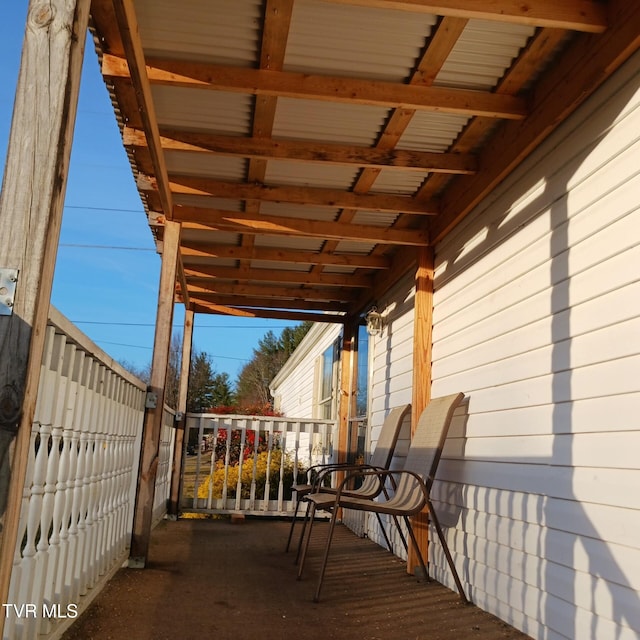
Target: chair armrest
382,474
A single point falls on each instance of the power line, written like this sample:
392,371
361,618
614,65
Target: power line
114,209
137,346
150,324
104,246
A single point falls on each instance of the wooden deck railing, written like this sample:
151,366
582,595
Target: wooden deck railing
77,505
226,458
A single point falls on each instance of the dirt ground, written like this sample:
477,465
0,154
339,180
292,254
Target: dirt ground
213,579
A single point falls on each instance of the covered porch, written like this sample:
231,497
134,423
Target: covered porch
211,578
297,159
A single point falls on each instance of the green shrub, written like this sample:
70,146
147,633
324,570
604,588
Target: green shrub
246,470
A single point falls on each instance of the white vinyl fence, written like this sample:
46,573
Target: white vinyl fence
224,469
77,505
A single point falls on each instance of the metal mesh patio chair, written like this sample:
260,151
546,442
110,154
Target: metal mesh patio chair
380,460
411,492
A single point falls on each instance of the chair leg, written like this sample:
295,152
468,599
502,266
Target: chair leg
423,565
384,532
447,553
334,514
302,548
305,521
293,522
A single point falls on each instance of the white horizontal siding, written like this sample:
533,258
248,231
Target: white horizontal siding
537,321
295,390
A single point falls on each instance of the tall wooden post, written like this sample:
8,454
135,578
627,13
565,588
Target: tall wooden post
30,217
178,450
422,352
142,520
347,388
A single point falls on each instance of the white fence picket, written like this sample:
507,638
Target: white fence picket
302,442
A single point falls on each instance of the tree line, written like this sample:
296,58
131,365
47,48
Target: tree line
209,390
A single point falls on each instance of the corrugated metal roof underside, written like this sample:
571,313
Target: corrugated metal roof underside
212,237
351,246
399,182
286,210
206,165
216,31
289,243
298,119
309,174
353,41
208,111
374,218
434,132
482,54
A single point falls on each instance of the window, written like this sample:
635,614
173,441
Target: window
327,381
362,375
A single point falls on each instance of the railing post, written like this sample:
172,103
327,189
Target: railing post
154,414
178,452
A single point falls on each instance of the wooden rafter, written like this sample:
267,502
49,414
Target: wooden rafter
240,222
269,303
314,196
295,316
578,15
584,66
204,250
441,43
306,151
200,284
194,75
281,276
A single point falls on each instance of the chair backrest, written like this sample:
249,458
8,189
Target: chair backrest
426,449
387,440
430,434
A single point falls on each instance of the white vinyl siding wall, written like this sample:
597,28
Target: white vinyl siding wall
392,382
537,321
296,388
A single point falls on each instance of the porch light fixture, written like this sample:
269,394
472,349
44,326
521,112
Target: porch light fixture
374,322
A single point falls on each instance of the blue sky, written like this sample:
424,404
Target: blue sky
111,293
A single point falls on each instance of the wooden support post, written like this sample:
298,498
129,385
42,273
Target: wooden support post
346,389
422,350
153,417
30,217
178,449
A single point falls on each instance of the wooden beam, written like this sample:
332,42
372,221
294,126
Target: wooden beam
129,32
579,15
537,52
586,64
192,75
152,429
347,390
316,196
422,349
265,302
268,313
203,284
31,205
270,275
201,250
178,447
212,219
306,151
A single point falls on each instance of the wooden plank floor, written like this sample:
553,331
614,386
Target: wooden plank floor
213,579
